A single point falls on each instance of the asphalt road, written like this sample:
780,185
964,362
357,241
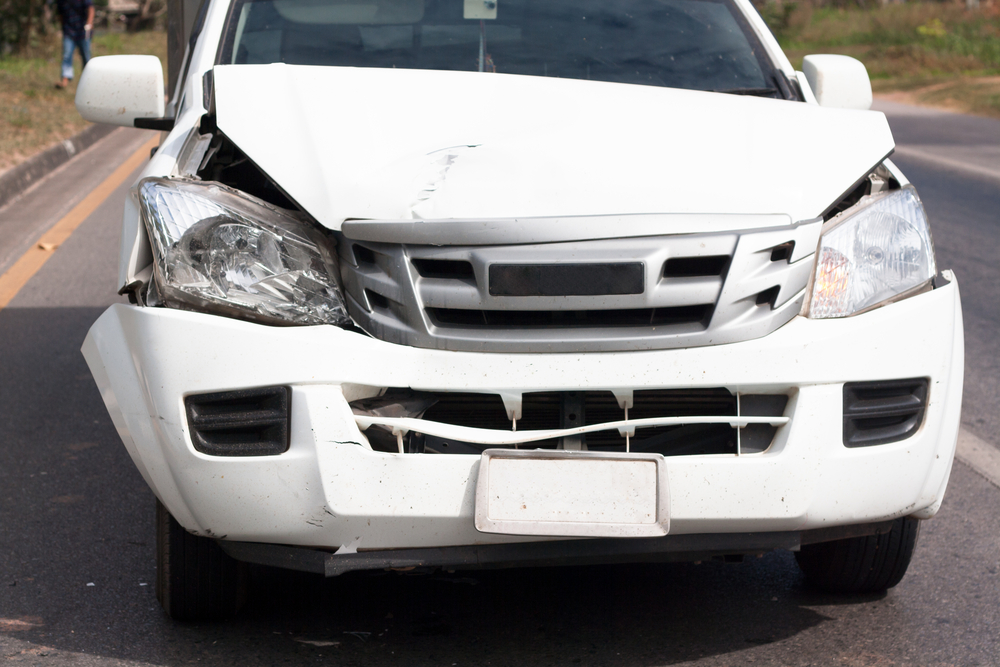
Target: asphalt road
76,520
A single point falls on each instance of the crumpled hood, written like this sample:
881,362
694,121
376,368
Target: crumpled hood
413,144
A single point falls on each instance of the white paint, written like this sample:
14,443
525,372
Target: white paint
367,143
118,89
146,359
578,491
807,92
838,82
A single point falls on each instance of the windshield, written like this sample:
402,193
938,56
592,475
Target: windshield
696,44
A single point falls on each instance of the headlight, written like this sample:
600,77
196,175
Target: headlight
222,250
872,255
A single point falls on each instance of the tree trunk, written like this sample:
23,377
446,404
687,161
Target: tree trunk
24,25
147,15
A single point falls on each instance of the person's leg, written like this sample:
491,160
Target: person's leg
67,61
84,46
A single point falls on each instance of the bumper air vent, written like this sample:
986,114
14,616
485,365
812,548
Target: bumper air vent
248,422
877,413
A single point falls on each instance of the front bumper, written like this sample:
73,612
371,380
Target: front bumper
331,490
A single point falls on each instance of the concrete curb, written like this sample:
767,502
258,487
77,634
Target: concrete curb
15,181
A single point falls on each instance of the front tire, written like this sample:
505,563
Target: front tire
195,579
856,565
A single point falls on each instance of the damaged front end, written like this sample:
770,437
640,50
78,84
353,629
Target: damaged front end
396,306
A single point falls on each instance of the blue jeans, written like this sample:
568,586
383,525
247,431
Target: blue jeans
69,44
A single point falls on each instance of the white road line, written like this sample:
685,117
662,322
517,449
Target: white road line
948,163
979,455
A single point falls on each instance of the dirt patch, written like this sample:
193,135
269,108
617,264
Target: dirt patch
975,95
20,624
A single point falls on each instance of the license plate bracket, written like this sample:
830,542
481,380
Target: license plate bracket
572,494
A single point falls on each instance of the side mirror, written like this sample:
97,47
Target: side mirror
118,89
838,81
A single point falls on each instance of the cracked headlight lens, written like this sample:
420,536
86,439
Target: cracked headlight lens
221,250
873,255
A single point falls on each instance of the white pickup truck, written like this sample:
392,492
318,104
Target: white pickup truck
487,283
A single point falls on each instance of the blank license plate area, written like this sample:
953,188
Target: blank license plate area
581,496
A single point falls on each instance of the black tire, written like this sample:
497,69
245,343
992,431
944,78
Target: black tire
195,579
869,564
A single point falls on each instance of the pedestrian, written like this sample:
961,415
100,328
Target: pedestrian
77,22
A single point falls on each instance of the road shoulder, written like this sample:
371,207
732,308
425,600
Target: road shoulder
24,221
18,179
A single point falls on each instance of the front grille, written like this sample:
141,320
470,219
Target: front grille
248,422
651,292
555,410
877,413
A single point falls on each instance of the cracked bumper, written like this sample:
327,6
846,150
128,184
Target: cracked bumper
330,489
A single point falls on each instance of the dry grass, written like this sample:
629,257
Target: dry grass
937,53
34,114
926,53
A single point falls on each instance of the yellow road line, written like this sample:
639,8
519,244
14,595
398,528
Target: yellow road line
28,264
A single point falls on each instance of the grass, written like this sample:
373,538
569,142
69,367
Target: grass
938,54
34,114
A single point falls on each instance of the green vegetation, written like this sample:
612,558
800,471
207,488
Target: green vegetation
923,52
920,52
34,114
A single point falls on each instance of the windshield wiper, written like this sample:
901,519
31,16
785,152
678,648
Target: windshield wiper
758,92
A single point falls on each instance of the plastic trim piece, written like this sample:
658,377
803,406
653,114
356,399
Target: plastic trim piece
881,412
159,124
247,422
516,231
669,548
673,311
